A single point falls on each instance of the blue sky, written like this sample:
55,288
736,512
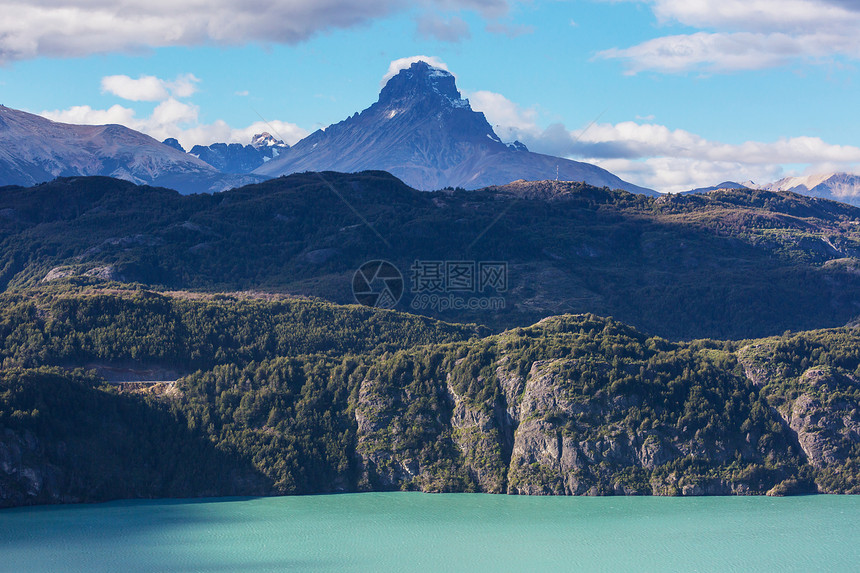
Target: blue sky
669,94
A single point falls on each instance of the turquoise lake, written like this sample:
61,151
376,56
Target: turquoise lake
424,532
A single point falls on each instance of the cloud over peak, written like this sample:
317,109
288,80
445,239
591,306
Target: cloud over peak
403,63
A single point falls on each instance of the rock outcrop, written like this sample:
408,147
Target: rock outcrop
590,426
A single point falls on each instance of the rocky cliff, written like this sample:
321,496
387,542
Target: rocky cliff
292,396
657,422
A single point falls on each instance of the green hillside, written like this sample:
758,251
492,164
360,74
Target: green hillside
728,264
276,395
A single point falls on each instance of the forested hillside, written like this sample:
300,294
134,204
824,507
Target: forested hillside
727,264
275,395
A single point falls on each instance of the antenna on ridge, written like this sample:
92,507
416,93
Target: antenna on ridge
556,171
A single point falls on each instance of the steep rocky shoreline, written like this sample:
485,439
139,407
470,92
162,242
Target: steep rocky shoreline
573,405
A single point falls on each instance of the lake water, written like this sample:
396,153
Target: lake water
423,532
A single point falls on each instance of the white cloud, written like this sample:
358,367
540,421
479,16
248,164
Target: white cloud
745,35
73,28
671,174
787,16
145,88
404,63
676,160
149,88
172,112
171,117
509,120
85,115
185,85
656,156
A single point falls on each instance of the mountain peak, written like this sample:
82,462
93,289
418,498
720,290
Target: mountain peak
266,139
424,132
174,143
421,81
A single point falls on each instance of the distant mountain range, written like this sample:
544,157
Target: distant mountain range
843,187
235,157
420,129
423,131
34,149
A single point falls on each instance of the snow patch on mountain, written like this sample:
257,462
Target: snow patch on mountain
266,139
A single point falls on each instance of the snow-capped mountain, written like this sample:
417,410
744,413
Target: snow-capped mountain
34,149
266,139
425,133
238,158
844,187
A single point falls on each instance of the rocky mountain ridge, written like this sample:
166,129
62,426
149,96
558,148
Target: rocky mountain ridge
422,131
34,150
238,158
838,186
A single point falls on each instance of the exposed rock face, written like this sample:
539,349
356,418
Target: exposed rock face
478,434
59,273
404,434
425,133
548,432
824,419
574,405
25,476
759,369
825,431
105,272
550,456
373,417
174,143
815,431
238,158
